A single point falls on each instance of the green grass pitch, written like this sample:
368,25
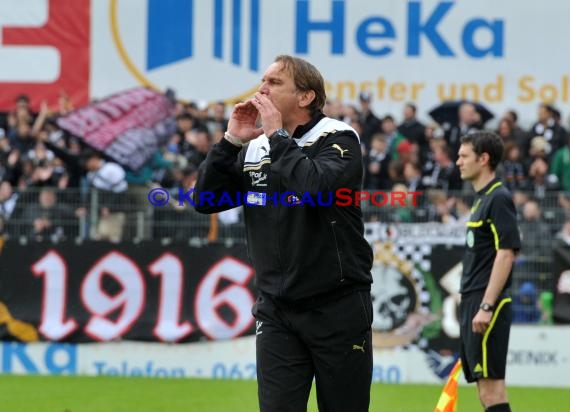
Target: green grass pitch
113,394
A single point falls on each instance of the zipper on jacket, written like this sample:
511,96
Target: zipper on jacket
278,239
333,222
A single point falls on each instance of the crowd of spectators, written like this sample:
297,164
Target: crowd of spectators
47,176
407,154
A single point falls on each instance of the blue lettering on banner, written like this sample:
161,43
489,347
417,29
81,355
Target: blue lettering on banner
366,31
237,29
428,29
386,374
374,29
304,26
149,369
169,35
57,359
234,371
528,357
171,25
496,27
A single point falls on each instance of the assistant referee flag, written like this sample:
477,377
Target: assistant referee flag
448,399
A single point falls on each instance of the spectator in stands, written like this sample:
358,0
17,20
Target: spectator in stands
441,207
35,174
8,201
198,143
505,130
376,163
445,173
185,123
334,109
402,213
534,231
393,137
355,124
407,152
549,127
560,167
519,199
368,119
462,208
564,203
49,220
525,304
217,121
179,220
434,137
22,113
412,129
513,170
352,115
110,179
539,181
396,171
434,131
519,135
413,176
22,139
200,110
468,122
171,151
8,159
139,182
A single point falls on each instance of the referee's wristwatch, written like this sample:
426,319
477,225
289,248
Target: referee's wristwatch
486,307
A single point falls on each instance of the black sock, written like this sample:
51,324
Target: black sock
500,407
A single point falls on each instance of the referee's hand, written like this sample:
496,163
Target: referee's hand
481,321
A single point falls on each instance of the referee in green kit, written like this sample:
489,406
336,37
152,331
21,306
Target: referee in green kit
492,243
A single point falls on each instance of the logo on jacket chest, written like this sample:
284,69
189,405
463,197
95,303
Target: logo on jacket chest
470,240
258,178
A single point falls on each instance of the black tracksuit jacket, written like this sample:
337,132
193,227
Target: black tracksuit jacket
301,253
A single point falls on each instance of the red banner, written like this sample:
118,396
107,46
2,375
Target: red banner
127,126
45,54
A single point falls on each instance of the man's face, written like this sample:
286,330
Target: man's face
388,126
278,85
47,198
543,114
92,164
466,113
408,113
468,162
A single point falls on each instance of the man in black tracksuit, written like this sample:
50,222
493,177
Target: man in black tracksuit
313,311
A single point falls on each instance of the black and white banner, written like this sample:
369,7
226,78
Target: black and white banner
104,292
176,293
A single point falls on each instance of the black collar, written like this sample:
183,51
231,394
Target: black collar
488,186
304,128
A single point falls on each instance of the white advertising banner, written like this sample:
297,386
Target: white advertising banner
505,54
500,53
538,356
